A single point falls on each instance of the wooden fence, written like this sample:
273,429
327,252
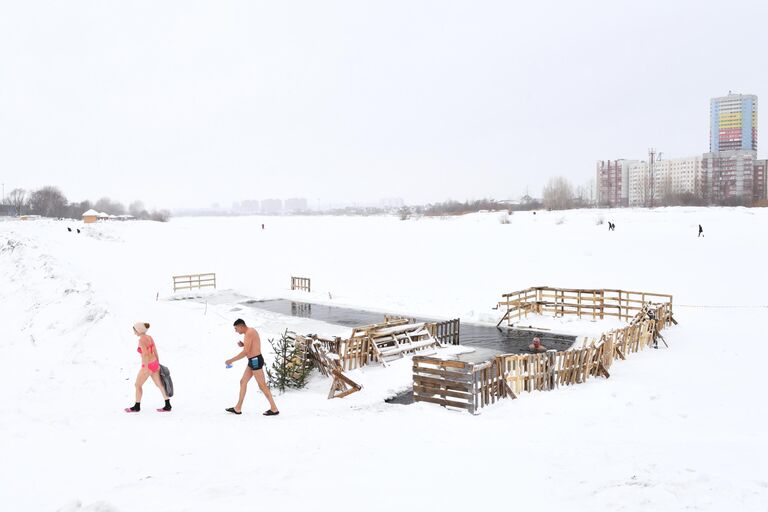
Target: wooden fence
191,281
448,332
300,283
473,386
457,384
550,370
594,304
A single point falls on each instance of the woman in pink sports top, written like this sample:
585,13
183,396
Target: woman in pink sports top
150,366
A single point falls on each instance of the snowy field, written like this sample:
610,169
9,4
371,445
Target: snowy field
675,429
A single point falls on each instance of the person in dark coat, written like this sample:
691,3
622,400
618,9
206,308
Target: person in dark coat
701,231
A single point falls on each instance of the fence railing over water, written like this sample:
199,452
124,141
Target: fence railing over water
448,332
594,304
473,386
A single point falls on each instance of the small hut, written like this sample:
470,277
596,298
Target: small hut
90,216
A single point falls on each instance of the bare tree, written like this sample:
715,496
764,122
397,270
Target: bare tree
584,196
48,202
76,210
667,192
138,210
558,194
106,205
18,199
160,215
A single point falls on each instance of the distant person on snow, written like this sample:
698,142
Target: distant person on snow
536,346
701,231
252,350
150,366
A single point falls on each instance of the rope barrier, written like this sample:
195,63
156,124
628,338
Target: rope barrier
717,307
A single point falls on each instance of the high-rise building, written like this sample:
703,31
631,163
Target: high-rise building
612,182
760,182
730,176
671,179
729,166
733,123
678,176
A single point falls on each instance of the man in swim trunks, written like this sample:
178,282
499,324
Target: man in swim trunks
252,350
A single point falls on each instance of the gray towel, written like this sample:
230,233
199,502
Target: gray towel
165,378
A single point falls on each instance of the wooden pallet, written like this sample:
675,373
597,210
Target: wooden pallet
320,350
393,340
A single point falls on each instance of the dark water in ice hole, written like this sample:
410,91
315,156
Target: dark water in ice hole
486,340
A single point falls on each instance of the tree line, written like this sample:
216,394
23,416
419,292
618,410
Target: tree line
461,208
50,201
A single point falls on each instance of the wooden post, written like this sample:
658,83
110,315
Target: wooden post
551,362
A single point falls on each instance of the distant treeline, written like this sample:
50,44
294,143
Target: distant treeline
50,201
460,208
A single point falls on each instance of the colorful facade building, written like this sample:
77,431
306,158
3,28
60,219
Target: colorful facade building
733,123
729,167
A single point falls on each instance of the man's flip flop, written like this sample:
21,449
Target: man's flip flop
232,410
270,412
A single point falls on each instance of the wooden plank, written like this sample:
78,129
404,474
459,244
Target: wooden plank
449,384
447,373
427,391
440,362
448,403
450,378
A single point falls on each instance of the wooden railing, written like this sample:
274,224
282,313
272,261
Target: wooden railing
190,281
594,304
471,386
550,370
448,332
300,283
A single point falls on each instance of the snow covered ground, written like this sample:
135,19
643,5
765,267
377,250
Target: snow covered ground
676,429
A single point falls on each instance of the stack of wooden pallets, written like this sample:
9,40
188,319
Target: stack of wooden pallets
393,339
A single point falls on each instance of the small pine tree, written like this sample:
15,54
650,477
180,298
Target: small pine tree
291,367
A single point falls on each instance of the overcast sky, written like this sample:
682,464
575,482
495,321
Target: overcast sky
189,103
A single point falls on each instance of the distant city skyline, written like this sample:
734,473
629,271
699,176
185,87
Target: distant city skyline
185,105
729,172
